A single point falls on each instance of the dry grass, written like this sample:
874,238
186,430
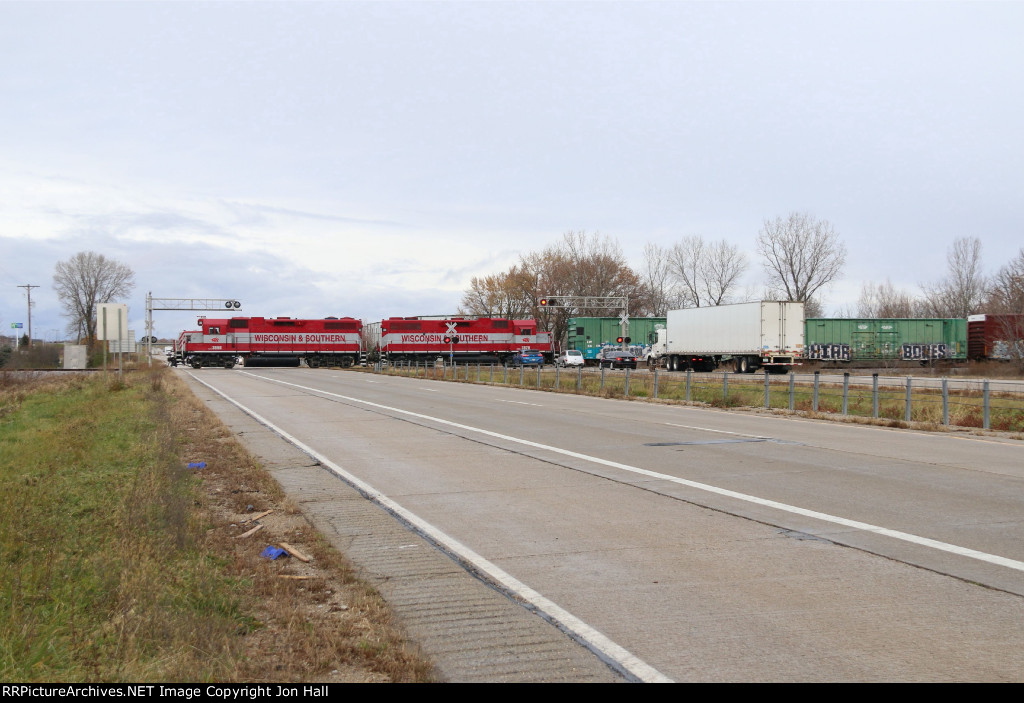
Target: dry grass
121,564
318,621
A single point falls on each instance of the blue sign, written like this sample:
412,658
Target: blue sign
16,325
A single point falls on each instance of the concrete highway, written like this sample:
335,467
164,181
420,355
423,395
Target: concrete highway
678,543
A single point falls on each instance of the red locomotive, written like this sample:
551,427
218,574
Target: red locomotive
271,341
480,339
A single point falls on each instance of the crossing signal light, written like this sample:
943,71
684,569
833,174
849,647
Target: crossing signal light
451,340
455,339
547,302
623,340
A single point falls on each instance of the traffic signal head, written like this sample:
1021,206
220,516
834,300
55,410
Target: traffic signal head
547,302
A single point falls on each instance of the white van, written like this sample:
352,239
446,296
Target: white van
570,357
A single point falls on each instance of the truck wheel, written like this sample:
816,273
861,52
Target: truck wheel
743,364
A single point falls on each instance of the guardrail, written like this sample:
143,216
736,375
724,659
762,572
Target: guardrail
901,401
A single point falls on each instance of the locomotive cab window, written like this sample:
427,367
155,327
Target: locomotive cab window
213,330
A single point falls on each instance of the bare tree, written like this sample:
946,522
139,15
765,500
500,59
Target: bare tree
962,291
707,273
1006,289
662,291
83,282
885,300
812,307
1006,299
687,260
725,264
801,255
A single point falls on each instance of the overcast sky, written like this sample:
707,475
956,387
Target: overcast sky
366,159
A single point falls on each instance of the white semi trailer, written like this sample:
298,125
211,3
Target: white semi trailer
749,336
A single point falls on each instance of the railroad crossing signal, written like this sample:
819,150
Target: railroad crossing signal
623,340
451,340
581,302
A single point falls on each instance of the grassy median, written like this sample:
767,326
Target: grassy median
121,564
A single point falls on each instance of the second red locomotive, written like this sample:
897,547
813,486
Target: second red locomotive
480,339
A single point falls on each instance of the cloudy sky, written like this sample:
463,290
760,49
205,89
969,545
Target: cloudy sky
367,159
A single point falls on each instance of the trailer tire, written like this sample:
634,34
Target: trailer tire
743,365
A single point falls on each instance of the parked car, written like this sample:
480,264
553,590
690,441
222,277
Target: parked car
570,357
617,360
527,357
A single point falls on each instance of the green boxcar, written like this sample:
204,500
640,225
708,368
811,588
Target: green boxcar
895,339
590,334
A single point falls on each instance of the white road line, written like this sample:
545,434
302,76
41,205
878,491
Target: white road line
708,429
563,619
795,510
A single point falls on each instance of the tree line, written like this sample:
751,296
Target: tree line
800,256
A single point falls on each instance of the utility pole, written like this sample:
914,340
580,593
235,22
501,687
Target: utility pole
28,290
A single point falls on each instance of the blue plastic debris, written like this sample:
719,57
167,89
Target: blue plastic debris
272,552
197,465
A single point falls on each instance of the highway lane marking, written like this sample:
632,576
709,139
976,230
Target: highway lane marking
708,429
612,653
519,402
840,424
764,502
